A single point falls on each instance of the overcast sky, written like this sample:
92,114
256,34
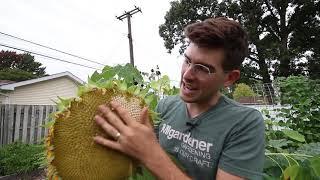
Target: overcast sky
89,29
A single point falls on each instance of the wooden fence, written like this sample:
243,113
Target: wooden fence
24,123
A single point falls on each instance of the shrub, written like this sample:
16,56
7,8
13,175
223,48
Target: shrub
242,90
303,113
20,158
292,149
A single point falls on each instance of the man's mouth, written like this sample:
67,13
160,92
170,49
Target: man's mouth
188,88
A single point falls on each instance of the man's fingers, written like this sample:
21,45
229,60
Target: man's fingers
107,143
112,118
122,112
145,117
106,126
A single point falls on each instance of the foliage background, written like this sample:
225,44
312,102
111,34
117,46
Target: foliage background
283,35
21,158
19,67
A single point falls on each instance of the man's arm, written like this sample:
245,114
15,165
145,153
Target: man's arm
163,167
136,140
222,175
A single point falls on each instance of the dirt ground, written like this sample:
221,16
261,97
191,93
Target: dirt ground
34,175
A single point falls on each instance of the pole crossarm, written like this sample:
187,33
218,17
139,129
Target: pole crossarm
130,13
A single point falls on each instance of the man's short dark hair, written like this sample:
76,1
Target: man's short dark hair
221,33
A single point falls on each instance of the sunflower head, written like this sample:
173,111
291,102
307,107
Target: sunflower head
71,152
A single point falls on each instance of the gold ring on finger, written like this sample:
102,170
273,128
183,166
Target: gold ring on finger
117,136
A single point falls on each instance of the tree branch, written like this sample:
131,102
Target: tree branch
256,78
271,31
272,14
253,59
269,8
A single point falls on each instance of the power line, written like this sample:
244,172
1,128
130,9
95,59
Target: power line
63,52
46,56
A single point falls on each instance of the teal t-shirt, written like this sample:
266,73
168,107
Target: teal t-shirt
228,136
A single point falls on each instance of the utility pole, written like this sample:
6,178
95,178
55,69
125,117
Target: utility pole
128,16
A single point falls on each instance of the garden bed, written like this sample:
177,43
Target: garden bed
34,175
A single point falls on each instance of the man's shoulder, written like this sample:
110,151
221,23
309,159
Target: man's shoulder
170,100
169,103
239,110
173,98
235,106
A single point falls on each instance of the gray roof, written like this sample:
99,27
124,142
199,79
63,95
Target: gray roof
12,86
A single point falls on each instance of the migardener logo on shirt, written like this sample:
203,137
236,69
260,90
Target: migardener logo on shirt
192,149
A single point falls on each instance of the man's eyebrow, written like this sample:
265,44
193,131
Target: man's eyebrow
207,65
186,56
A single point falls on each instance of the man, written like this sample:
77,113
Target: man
210,135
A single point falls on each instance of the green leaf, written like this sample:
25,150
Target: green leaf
174,91
151,101
295,135
123,86
312,149
291,172
108,73
49,124
164,80
267,177
91,83
63,103
299,173
155,85
278,143
315,164
81,90
143,174
95,76
144,92
128,73
137,91
106,84
131,89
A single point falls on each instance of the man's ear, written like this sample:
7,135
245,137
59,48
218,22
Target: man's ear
231,77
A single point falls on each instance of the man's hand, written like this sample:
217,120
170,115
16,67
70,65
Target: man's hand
135,139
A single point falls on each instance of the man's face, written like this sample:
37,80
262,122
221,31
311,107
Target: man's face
201,75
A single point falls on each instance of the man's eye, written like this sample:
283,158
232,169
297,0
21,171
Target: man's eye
201,68
187,61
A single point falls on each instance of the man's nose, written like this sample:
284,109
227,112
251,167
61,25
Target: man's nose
189,73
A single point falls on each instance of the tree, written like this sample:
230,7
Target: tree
314,66
19,67
280,32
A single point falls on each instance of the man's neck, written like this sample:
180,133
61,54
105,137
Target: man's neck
195,109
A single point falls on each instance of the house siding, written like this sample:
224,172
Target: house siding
43,93
3,99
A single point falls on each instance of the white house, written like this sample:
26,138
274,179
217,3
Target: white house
40,91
